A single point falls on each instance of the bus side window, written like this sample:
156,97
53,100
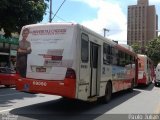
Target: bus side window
114,56
84,48
121,56
127,59
106,54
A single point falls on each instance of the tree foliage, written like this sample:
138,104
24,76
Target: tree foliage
153,50
136,47
16,13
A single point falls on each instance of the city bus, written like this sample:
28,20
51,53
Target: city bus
72,61
145,70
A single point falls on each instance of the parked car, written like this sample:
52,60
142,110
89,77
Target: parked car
8,76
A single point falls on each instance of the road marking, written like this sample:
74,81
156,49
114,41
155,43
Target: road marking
1,111
9,94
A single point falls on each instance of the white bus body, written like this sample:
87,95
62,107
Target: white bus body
70,60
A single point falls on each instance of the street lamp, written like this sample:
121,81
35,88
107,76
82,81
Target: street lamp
104,29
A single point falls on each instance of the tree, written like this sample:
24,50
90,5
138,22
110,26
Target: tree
153,50
16,13
136,47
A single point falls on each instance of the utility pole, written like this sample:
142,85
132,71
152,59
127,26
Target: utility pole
50,12
104,29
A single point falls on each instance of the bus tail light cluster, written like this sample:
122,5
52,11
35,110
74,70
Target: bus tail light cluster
70,73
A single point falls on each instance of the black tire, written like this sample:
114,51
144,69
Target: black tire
132,86
155,85
108,93
66,98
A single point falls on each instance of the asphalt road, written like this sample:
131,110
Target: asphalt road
124,105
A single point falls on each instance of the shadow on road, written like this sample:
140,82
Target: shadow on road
62,109
8,95
4,87
146,87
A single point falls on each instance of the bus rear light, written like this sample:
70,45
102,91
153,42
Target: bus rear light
70,73
19,79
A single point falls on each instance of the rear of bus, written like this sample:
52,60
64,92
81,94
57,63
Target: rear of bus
51,66
142,73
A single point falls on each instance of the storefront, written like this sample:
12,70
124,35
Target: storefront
8,51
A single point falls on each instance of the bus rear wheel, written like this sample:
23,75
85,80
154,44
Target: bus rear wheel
108,93
132,86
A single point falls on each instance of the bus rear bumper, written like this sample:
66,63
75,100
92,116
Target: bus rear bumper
66,87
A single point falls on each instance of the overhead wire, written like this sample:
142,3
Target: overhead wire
58,17
58,9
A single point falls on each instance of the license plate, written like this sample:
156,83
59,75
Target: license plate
40,69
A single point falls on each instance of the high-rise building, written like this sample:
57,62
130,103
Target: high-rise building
142,23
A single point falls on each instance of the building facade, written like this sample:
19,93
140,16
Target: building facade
142,23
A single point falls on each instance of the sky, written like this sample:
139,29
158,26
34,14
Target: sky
97,15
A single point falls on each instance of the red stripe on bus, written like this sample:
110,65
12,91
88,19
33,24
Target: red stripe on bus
66,87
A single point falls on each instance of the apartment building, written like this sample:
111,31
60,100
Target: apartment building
142,23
